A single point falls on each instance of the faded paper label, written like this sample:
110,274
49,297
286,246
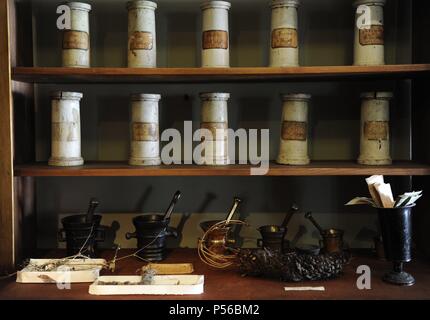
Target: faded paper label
284,38
73,39
145,131
65,131
294,130
141,40
215,39
213,127
376,130
372,36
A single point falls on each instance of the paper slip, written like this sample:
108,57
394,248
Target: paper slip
385,193
371,181
304,288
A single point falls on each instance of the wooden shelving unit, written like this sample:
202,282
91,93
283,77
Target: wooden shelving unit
316,168
167,75
19,169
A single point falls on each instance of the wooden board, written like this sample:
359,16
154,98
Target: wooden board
21,46
165,75
420,120
161,285
74,271
7,219
317,168
228,284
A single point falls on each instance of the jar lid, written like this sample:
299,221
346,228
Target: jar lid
141,4
79,6
377,95
145,96
285,3
296,96
369,2
214,96
58,95
215,4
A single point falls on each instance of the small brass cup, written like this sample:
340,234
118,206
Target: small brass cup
332,240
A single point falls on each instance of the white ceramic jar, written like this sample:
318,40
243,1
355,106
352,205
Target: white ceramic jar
215,36
375,128
215,119
284,43
294,130
369,33
145,140
76,41
142,44
65,129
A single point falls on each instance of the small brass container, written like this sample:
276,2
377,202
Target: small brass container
332,240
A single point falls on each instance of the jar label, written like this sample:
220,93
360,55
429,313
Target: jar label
73,39
145,131
372,36
213,127
294,130
284,38
141,40
376,130
65,131
215,39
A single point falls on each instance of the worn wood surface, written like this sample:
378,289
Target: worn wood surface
230,285
157,75
316,168
7,227
20,21
25,217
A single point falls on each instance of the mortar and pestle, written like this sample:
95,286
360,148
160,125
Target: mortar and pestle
273,236
332,239
82,232
218,239
152,231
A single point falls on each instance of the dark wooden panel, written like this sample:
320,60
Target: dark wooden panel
230,285
21,33
23,93
420,31
157,75
24,130
7,246
25,217
420,122
317,168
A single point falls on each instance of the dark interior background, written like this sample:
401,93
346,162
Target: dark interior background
326,38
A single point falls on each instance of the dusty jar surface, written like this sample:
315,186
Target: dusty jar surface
214,118
375,128
284,42
65,129
369,32
76,41
293,147
215,34
142,44
144,131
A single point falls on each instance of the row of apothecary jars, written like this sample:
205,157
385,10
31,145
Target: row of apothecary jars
284,42
145,141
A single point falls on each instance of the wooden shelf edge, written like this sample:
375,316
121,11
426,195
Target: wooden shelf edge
229,284
127,75
317,168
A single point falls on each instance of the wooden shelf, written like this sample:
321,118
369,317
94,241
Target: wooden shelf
228,284
317,168
168,75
